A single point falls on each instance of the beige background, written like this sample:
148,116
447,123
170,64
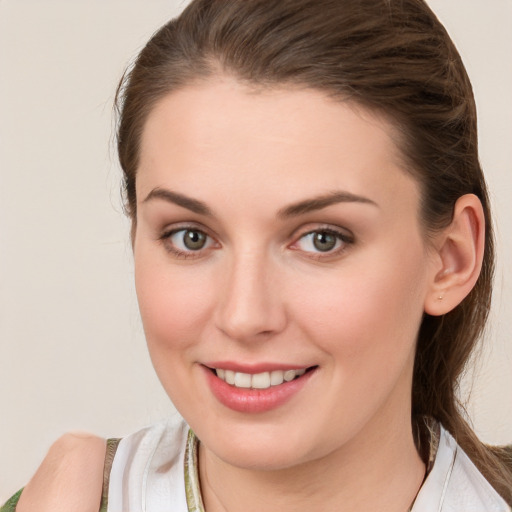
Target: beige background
72,353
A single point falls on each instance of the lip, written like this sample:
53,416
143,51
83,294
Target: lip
248,400
253,368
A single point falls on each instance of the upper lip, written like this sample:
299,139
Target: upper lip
253,368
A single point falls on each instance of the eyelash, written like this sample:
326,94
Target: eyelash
166,236
344,238
341,236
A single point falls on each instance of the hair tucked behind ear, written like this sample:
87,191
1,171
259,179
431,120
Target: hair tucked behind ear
392,56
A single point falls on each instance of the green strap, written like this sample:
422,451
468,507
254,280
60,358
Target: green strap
192,485
10,504
112,445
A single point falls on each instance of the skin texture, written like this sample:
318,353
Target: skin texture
70,477
258,292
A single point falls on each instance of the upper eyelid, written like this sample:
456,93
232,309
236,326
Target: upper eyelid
185,226
338,230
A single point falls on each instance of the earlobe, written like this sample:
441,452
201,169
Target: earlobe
459,257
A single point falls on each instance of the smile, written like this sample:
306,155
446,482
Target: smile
257,389
262,380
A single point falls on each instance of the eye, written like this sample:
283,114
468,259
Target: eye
323,241
186,241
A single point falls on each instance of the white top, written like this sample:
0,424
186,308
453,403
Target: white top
155,468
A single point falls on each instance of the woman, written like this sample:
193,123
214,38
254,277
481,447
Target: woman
313,256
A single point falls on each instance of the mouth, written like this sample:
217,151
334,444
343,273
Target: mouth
262,380
259,388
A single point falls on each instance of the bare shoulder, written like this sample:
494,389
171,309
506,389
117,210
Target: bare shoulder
69,478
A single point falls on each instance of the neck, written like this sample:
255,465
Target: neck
379,469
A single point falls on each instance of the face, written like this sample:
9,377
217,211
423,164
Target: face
281,270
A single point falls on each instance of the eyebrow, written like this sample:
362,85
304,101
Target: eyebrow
323,201
193,205
292,210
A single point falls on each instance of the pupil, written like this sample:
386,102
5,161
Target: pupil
324,241
194,240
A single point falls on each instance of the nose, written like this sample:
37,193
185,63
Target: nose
250,305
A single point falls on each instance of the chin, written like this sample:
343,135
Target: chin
262,449
261,459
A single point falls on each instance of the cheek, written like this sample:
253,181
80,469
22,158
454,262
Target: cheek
173,302
369,310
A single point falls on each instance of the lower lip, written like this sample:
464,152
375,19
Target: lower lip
250,400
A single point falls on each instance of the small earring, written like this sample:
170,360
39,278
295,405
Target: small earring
440,297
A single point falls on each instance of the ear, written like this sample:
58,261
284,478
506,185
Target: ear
457,258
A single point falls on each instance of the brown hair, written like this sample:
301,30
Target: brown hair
392,56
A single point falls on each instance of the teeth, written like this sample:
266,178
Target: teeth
259,380
289,375
276,377
229,377
242,380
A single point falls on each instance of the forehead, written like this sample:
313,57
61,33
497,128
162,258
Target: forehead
224,134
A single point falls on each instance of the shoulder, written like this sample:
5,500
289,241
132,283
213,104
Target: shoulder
70,477
455,484
147,471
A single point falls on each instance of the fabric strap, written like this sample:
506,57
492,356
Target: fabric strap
10,504
110,453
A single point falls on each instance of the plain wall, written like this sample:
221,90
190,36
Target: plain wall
72,350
